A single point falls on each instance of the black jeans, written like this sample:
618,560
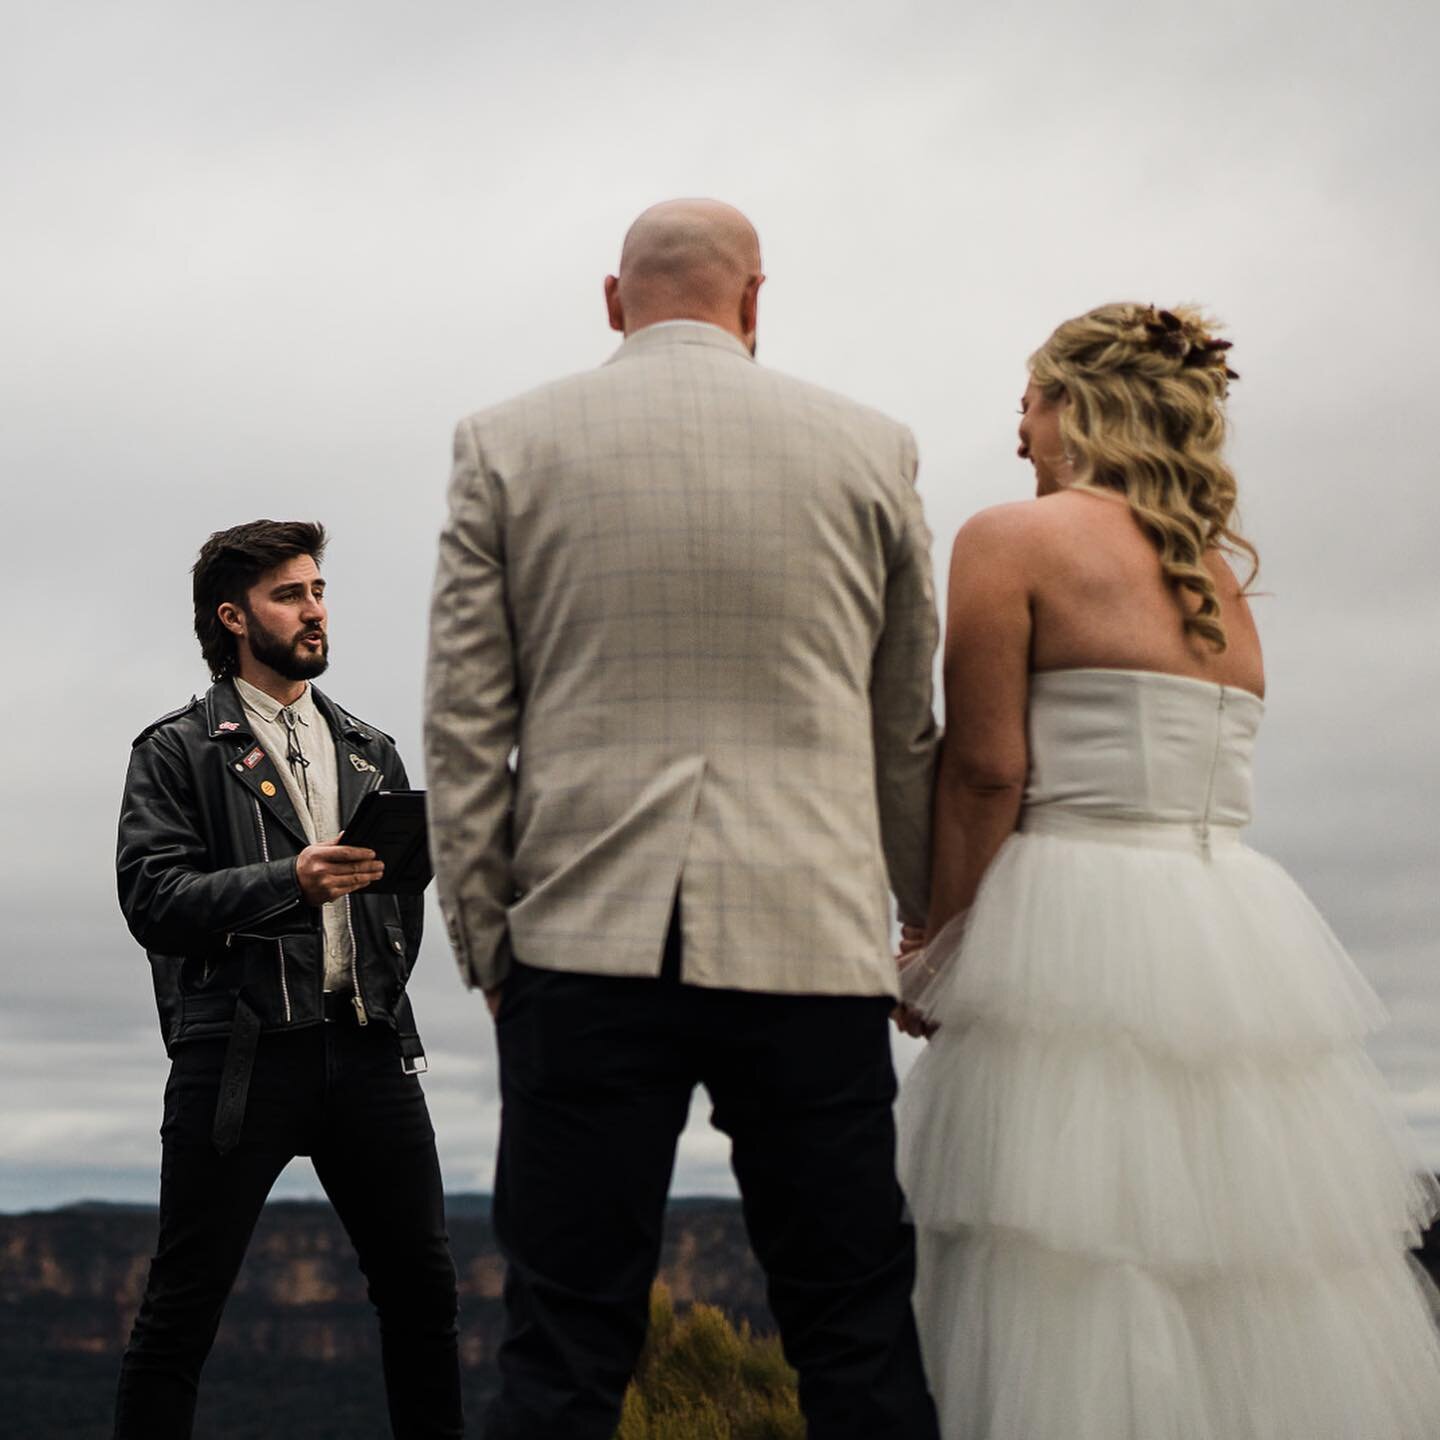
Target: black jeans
596,1075
337,1093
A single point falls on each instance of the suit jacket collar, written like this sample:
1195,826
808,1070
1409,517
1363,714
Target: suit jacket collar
680,332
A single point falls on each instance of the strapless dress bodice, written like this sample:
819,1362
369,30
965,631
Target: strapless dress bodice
1140,745
1158,1188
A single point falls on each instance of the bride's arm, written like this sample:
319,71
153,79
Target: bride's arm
985,754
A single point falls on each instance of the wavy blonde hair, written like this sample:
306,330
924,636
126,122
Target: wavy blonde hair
1146,418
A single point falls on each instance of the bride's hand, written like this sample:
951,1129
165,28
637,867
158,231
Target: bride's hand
912,1022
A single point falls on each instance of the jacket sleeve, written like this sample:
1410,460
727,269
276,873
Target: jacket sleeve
471,719
173,897
902,701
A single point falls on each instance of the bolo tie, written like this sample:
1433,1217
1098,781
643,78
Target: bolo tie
294,755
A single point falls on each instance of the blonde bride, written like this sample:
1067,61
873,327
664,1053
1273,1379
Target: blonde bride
1160,1192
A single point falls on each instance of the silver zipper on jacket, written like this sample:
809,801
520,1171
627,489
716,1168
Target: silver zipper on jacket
279,943
356,998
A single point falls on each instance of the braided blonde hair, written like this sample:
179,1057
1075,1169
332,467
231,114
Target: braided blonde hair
1146,418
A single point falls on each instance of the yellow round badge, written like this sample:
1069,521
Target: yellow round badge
267,787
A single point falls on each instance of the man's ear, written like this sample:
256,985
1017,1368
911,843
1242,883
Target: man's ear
231,617
612,303
750,304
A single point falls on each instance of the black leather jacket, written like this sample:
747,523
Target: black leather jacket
206,871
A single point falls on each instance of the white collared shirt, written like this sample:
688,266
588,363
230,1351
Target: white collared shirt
319,813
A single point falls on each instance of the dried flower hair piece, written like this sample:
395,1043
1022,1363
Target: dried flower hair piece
1212,352
1166,331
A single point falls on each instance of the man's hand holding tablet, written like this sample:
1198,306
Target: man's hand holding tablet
392,824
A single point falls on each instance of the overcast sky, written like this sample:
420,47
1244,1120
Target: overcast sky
259,259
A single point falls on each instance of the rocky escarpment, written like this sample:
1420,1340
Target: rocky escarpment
298,1351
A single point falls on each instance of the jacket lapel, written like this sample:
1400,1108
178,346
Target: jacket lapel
356,770
246,760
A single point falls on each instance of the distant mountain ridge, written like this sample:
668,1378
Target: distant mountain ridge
298,1351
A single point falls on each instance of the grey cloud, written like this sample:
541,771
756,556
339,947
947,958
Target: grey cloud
261,263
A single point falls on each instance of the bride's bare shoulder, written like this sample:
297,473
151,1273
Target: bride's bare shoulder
1014,519
1013,529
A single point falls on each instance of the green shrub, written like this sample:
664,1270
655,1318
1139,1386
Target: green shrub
701,1379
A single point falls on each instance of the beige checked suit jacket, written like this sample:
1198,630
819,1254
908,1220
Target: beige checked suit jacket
682,638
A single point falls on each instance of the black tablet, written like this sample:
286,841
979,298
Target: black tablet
392,824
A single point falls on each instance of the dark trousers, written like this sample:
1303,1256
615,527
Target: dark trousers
337,1093
596,1075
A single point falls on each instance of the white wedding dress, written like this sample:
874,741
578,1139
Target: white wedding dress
1160,1192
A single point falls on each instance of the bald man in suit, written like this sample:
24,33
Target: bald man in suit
680,744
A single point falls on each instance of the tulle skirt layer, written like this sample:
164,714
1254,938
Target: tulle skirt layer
1195,958
1024,1342
1160,1190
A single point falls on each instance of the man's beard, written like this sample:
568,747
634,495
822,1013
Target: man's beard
285,657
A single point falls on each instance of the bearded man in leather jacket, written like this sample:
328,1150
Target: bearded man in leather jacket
280,982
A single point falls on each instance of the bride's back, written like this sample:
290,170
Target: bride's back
1100,599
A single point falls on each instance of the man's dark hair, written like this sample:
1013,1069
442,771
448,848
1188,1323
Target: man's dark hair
230,562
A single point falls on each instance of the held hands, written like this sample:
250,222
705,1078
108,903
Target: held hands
907,1019
912,1022
326,872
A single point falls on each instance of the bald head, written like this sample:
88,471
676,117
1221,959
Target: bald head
688,260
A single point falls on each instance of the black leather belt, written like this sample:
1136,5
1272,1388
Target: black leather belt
235,1077
338,1007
